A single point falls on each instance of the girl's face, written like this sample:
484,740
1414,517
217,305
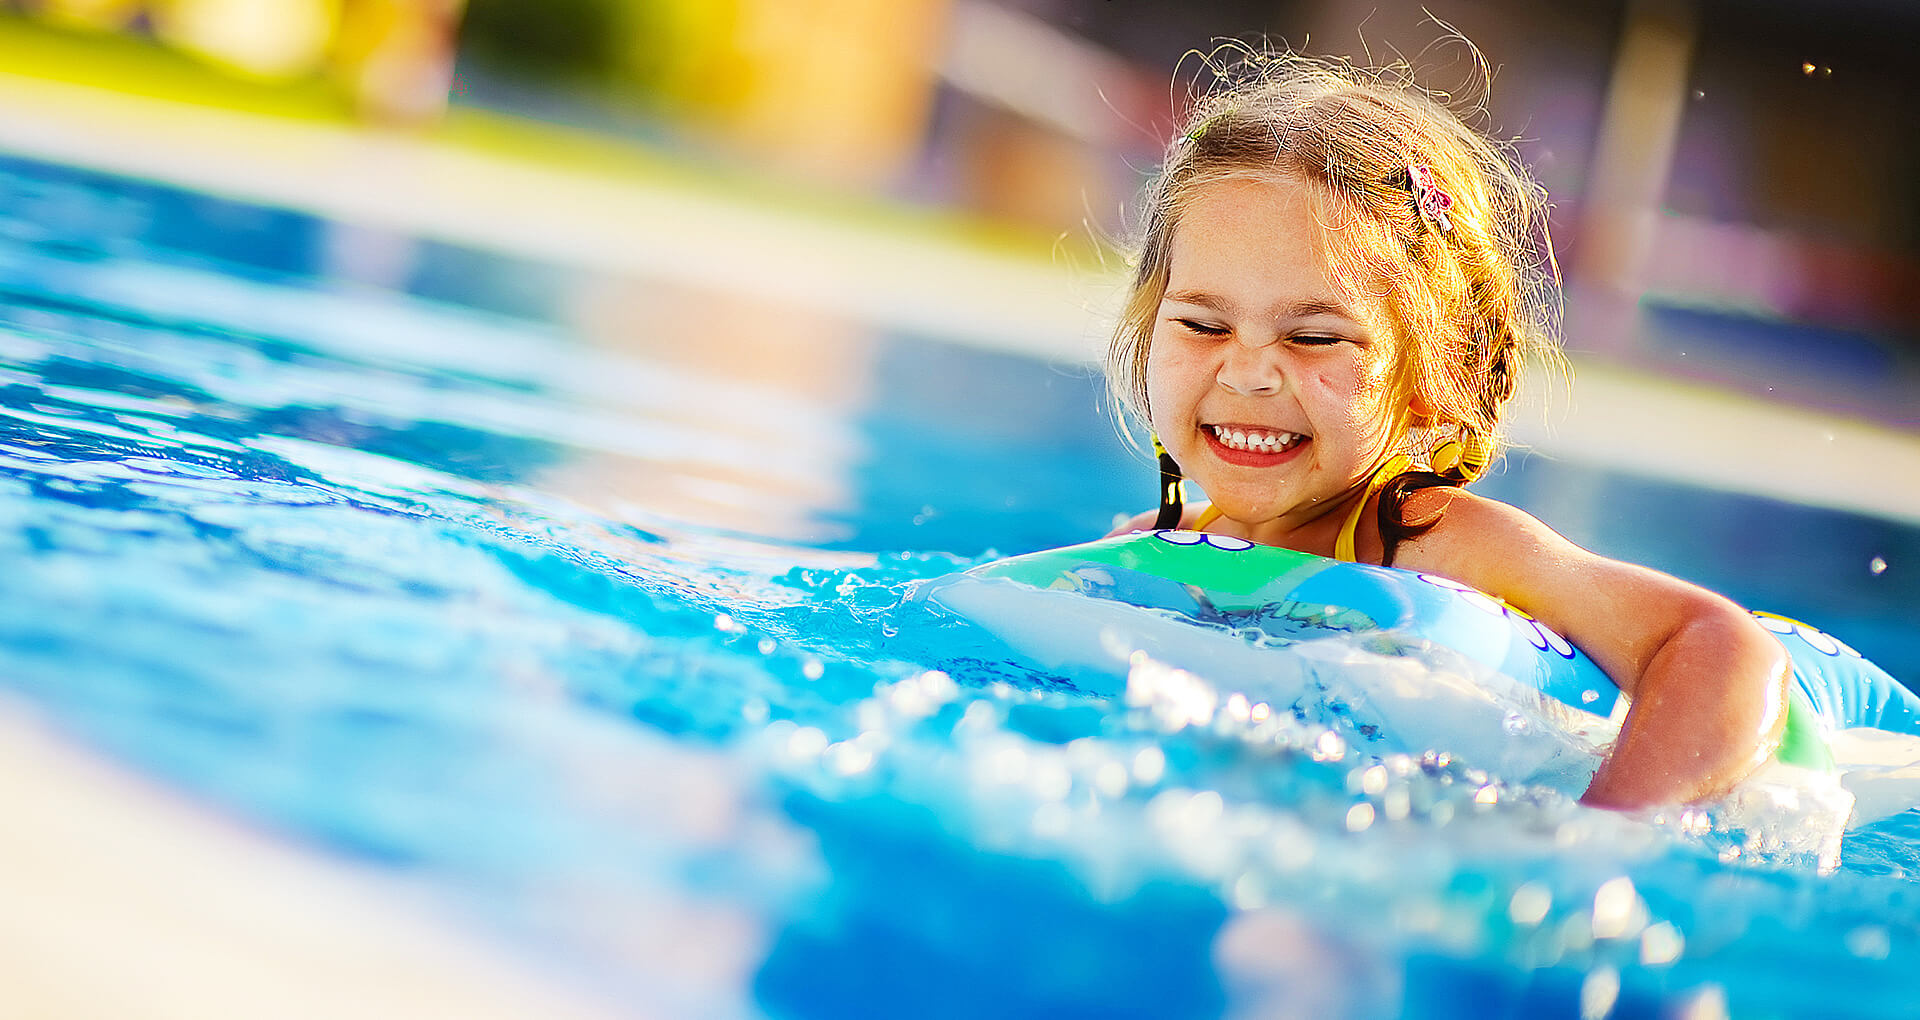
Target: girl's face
1268,382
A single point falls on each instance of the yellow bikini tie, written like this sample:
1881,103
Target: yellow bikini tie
1342,546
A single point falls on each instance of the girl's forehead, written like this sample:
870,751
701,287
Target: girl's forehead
1269,233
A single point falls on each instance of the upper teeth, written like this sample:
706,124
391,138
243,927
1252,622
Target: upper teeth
1243,439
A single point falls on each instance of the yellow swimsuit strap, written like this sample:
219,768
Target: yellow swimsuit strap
1343,546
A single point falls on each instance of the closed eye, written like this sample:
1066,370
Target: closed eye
1319,341
1201,328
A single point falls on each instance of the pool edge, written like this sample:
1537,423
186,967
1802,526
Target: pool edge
130,899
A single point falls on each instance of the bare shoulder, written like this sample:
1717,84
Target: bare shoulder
1476,539
1138,522
1144,520
1508,552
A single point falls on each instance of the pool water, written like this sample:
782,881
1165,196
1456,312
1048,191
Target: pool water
588,604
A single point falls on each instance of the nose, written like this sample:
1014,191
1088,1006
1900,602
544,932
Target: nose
1250,370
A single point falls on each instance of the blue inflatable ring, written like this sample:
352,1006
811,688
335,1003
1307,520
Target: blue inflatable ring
1216,579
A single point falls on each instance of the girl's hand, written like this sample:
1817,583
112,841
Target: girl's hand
1706,683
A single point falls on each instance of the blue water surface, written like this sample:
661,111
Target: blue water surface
598,624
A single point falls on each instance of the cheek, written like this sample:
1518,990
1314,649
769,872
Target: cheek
1163,381
1372,377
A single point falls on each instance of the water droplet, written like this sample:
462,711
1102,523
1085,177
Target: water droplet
1707,1003
1050,780
1530,904
1616,909
1397,804
1359,816
1661,944
1877,565
813,669
848,758
1149,765
1599,992
1008,765
807,742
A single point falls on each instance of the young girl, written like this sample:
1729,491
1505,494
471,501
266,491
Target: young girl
1333,296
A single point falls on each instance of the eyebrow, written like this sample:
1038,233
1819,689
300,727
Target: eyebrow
1303,309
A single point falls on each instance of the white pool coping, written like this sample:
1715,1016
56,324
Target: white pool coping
125,899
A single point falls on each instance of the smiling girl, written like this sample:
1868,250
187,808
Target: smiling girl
1334,292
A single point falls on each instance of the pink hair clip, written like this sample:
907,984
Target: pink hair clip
1433,202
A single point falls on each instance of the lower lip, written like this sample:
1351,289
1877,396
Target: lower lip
1251,458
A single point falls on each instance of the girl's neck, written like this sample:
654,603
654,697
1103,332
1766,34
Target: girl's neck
1317,533
1343,527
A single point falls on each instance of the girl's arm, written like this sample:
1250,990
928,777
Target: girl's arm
1706,683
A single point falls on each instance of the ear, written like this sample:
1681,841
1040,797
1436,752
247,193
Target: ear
1421,407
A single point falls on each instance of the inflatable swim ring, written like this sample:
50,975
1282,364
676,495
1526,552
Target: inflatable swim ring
1218,582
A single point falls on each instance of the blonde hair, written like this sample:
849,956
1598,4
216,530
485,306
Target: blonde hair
1470,303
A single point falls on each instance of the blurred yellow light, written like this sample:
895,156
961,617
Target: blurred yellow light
102,15
273,39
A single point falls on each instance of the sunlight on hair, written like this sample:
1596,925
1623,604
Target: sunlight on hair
1474,293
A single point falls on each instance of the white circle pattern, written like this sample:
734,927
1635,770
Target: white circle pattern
1183,536
1820,640
1537,632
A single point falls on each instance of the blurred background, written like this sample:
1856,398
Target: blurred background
1733,182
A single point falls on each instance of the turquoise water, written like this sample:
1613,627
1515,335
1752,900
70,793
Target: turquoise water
587,606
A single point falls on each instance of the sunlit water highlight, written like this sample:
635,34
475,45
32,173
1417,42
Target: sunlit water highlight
583,626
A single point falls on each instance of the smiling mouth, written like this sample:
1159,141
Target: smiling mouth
1236,437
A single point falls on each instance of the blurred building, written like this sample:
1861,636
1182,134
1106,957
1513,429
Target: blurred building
1706,158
